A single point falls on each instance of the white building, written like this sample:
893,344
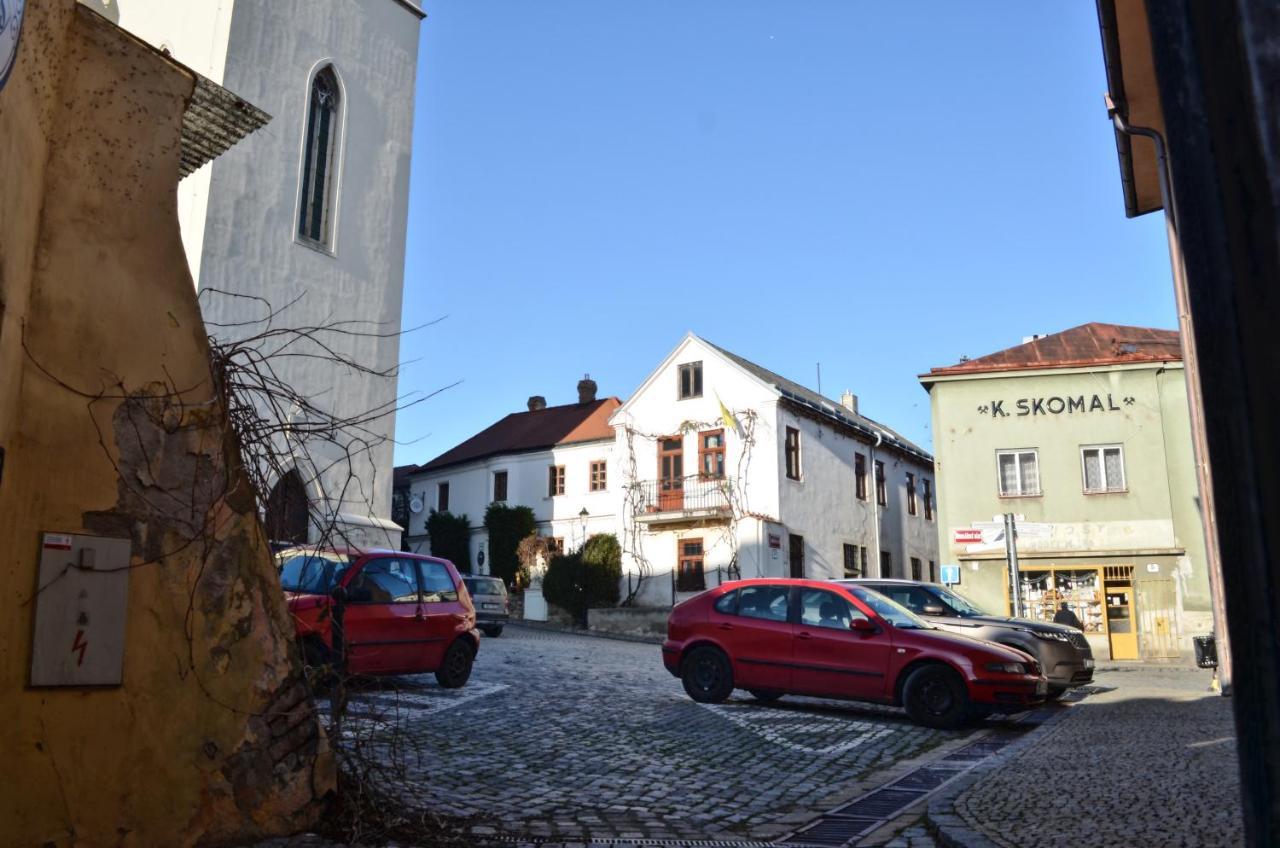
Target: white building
556,460
307,218
728,470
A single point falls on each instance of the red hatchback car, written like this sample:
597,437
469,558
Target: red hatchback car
402,613
813,637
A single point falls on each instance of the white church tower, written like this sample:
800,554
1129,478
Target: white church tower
307,217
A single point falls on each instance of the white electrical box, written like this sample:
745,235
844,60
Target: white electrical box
81,602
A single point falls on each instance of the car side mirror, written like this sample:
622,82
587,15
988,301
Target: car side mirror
340,595
862,625
932,609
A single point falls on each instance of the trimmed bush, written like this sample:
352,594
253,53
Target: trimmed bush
586,579
450,538
507,526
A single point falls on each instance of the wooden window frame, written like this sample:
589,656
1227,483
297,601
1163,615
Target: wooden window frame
555,480
506,482
694,370
912,509
791,452
928,498
851,569
882,484
860,476
917,569
442,496
701,583
704,452
599,479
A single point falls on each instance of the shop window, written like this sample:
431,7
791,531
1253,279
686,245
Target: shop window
690,380
860,476
690,576
1019,473
711,454
1045,591
555,480
1102,468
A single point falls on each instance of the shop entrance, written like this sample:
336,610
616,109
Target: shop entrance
1122,633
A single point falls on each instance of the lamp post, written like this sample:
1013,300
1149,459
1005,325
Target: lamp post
582,525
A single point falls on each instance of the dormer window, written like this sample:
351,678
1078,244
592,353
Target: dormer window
690,380
319,166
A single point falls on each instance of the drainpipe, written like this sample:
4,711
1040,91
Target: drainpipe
1195,402
875,504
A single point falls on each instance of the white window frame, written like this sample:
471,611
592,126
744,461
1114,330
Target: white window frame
1017,466
1107,488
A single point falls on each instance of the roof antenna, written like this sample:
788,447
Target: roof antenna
819,378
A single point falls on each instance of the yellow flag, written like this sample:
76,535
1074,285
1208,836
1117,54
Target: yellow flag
727,417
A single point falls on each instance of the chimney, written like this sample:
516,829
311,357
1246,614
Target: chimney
586,389
537,402
849,401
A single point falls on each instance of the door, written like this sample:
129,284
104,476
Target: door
443,614
796,543
690,574
1120,623
382,621
832,659
758,637
671,473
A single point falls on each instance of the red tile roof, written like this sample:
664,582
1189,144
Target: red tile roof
1086,345
522,432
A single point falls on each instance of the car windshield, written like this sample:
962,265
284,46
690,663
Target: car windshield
310,572
962,607
484,586
891,611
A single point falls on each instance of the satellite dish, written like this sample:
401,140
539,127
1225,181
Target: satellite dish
415,505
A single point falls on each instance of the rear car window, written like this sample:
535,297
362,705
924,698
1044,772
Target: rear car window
485,586
437,585
313,574
728,604
767,602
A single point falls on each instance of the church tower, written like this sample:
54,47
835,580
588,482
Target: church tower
304,223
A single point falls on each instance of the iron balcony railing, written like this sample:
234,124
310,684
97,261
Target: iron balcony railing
682,494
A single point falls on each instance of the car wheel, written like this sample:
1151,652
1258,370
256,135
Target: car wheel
1055,693
455,668
493,632
935,696
766,695
707,675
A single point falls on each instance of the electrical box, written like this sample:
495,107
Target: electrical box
81,602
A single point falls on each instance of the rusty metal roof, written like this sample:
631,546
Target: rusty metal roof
214,121
1087,345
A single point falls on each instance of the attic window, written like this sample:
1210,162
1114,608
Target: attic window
690,380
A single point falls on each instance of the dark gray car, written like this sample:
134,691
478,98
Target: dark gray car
493,607
1062,651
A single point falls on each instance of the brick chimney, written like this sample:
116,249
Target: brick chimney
537,402
586,389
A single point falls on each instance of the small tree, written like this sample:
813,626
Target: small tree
586,579
507,525
450,538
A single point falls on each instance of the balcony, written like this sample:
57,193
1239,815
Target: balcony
682,499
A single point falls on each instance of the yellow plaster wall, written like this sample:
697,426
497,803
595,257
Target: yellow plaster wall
112,426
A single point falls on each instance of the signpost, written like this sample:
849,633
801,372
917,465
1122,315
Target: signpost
1011,552
950,574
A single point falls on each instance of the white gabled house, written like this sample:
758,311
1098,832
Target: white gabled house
727,470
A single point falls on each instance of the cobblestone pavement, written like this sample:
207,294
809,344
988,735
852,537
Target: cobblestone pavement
568,738
1151,761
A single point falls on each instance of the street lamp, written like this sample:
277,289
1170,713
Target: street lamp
582,522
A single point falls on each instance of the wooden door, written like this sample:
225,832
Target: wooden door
671,473
1121,624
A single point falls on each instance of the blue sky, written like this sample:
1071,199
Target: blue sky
876,187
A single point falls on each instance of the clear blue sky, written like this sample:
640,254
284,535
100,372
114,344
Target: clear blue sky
878,187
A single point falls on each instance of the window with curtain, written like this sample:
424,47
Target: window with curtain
315,215
1019,473
1103,468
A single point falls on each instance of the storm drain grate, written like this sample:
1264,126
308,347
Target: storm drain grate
832,831
880,804
925,779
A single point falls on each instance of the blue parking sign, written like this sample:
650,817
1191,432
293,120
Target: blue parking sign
950,574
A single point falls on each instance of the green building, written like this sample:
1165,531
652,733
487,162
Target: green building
1084,436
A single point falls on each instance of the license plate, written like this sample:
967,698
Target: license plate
1088,662
1042,687
490,606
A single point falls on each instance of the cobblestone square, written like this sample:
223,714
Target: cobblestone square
568,737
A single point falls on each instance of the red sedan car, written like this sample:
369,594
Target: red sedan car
813,637
401,613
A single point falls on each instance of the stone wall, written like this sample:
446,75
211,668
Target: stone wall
640,622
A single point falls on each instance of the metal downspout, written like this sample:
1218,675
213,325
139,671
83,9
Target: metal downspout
1195,402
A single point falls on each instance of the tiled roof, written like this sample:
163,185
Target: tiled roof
522,432
400,475
1088,344
825,406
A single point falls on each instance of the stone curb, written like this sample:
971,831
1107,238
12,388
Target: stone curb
941,817
573,631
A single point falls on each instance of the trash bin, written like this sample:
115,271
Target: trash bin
1206,651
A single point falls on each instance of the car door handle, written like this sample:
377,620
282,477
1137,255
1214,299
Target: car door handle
726,626
420,615
803,635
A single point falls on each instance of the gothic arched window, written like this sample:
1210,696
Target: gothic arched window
318,163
